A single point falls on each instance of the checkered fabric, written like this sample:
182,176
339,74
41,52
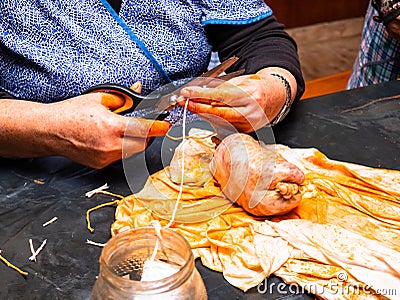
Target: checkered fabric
378,59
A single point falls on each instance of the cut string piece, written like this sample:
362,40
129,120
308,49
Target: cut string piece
100,190
50,222
95,191
101,206
35,253
10,265
94,243
194,137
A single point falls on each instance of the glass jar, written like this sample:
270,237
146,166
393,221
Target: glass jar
129,263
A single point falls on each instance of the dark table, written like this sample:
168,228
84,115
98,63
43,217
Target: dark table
360,126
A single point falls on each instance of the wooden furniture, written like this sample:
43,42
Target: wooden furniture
308,12
294,13
326,85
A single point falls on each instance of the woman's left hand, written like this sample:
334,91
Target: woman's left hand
247,102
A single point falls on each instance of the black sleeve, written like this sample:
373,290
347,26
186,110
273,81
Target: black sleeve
115,4
5,95
258,45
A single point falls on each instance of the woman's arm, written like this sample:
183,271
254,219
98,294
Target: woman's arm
273,82
82,129
259,45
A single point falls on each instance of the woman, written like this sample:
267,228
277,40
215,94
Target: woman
51,51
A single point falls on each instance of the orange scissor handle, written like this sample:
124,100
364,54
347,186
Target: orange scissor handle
130,99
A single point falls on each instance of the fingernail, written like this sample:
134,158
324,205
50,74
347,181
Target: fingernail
135,85
185,92
181,98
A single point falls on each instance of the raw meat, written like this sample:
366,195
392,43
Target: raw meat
256,177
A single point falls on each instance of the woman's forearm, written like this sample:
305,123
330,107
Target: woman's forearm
83,129
25,129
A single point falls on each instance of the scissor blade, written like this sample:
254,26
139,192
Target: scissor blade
208,76
218,80
222,67
168,101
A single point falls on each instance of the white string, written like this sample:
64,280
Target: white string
95,191
94,243
157,227
35,254
156,223
178,199
32,249
50,221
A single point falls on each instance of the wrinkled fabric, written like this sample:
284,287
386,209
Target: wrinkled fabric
341,242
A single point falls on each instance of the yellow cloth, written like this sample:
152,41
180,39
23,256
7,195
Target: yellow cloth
341,242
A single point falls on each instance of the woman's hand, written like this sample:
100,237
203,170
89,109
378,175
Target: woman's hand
247,102
98,137
83,129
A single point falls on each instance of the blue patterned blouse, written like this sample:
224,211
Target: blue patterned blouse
54,49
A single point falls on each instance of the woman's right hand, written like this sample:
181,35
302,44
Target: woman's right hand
83,129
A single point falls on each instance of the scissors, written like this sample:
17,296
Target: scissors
166,100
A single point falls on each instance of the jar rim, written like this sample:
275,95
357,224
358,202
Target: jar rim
147,287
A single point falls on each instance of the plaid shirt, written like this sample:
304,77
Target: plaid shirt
378,59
